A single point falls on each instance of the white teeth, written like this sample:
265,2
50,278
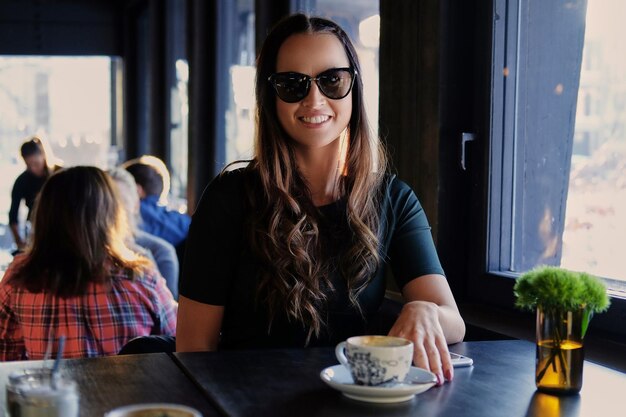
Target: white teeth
315,119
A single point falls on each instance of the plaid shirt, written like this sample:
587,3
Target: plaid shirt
97,323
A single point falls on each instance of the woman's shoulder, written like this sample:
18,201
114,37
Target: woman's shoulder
228,190
398,198
232,179
395,189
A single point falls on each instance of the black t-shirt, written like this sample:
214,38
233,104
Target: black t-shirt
220,269
26,187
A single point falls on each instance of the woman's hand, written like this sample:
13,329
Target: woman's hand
419,323
431,320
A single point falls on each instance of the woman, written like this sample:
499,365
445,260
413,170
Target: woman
28,184
79,279
292,250
161,252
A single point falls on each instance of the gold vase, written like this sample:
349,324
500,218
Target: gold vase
560,354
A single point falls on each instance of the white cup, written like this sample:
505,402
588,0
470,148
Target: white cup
376,360
154,410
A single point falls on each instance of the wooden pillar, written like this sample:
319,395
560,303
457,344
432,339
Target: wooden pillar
202,48
157,109
266,14
409,95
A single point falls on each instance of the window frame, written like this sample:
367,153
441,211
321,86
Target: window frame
489,283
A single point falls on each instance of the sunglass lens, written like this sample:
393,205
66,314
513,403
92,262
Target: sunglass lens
290,87
335,83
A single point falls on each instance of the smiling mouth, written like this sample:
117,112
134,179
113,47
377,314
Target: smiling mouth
315,119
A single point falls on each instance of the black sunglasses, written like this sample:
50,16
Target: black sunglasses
334,83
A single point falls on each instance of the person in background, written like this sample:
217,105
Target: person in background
79,279
161,251
27,185
292,250
151,177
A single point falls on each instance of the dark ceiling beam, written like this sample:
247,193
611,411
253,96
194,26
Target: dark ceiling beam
61,27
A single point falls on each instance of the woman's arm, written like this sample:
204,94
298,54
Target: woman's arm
430,318
198,327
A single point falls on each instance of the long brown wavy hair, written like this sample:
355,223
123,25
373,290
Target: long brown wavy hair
284,232
79,233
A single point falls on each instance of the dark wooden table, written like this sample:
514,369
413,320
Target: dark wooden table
286,383
500,384
106,383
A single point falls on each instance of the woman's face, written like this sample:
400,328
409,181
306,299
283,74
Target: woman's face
36,164
316,121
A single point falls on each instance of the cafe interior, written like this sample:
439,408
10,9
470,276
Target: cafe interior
506,119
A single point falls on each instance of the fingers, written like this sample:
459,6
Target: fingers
420,357
419,323
428,355
433,355
446,361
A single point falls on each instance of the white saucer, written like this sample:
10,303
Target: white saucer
417,381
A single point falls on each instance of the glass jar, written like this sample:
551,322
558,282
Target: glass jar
560,353
36,393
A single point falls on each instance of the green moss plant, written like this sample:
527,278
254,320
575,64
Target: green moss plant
557,289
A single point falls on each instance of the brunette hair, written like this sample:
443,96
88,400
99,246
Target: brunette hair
33,146
285,229
79,233
151,174
38,146
148,177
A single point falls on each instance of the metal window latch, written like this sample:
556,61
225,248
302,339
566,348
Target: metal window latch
465,137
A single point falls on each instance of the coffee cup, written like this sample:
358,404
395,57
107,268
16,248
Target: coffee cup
376,360
154,410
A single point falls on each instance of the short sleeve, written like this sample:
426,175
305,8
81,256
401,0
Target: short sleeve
412,251
214,240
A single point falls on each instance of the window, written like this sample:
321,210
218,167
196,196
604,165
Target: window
586,105
596,198
557,150
559,192
177,80
68,102
179,130
241,107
